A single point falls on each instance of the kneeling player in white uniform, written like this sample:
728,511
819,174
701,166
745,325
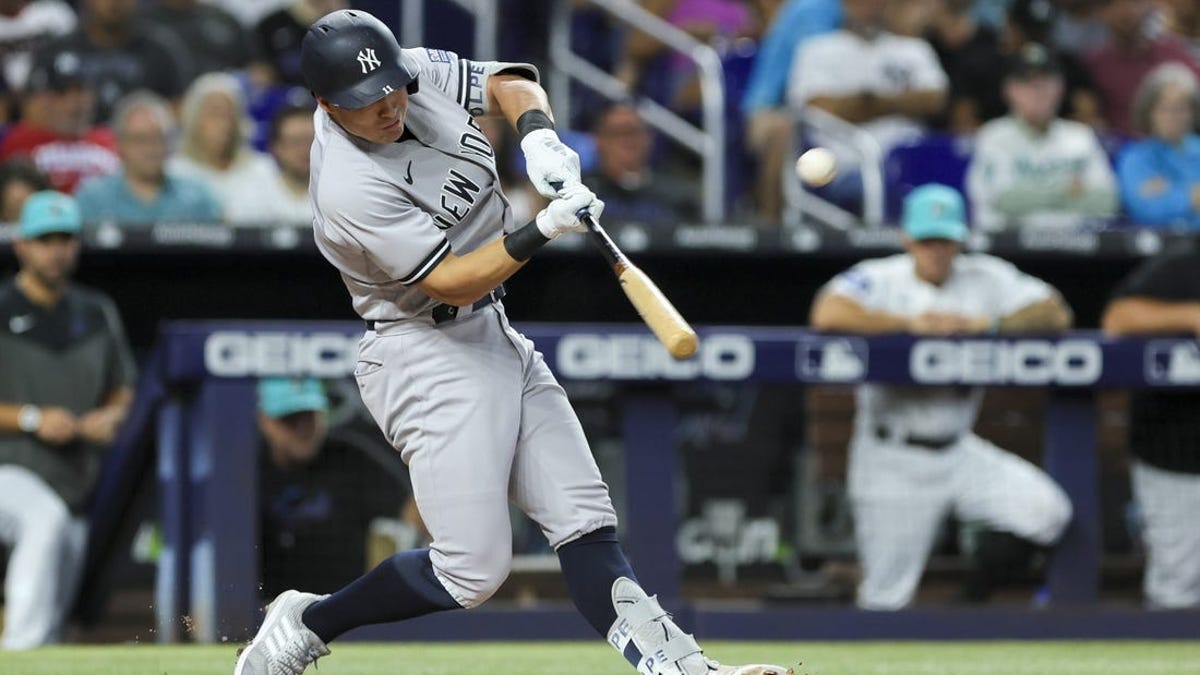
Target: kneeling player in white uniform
408,207
913,457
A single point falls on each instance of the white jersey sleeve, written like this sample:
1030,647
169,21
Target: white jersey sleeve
818,70
1010,288
463,80
988,175
864,284
1098,173
395,236
926,71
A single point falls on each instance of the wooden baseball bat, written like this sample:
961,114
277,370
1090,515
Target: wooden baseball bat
671,329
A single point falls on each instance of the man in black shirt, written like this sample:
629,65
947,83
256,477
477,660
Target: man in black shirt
319,490
65,386
280,32
974,58
207,38
1163,297
119,56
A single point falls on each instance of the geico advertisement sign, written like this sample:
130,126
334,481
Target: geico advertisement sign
584,356
1069,362
238,354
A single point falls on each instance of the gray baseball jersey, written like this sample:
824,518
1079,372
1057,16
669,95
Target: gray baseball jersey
468,402
385,214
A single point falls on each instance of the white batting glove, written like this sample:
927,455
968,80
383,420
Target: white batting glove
562,215
548,160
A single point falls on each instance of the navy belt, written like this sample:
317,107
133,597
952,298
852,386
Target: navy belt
927,442
443,313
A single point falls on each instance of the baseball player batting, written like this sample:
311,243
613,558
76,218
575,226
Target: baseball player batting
408,207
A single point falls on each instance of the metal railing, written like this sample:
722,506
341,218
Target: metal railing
485,12
707,142
816,123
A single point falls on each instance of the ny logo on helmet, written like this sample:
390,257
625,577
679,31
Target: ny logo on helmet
366,59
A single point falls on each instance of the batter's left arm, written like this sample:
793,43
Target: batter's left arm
514,95
524,104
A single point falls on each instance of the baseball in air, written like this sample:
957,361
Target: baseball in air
816,167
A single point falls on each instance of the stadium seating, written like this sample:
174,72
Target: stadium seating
936,158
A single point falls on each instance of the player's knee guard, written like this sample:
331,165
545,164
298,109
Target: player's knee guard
665,649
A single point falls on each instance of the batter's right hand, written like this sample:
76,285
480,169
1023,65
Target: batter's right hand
562,214
58,426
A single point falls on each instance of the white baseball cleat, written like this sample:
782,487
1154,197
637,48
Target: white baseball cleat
665,649
283,645
756,669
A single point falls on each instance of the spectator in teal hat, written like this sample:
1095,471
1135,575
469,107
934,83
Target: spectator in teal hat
320,488
291,417
47,244
935,225
66,382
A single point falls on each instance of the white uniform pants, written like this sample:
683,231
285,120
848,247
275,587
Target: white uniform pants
479,419
47,555
901,495
1170,504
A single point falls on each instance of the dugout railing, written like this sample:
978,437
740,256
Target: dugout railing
706,141
198,384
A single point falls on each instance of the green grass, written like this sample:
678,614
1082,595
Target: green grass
866,658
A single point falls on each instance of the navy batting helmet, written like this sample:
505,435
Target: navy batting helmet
351,59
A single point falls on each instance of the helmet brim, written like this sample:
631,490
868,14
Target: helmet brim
385,80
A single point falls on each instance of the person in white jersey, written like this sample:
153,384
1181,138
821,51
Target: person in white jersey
407,205
1032,168
889,86
913,457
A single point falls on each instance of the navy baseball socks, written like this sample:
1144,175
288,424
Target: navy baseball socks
404,587
590,566
401,587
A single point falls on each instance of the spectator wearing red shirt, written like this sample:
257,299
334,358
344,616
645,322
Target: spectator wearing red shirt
55,131
1119,64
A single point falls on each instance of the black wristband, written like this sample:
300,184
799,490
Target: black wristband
532,120
525,241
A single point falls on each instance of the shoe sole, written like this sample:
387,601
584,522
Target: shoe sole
268,622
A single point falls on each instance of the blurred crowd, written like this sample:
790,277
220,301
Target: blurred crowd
165,111
1040,111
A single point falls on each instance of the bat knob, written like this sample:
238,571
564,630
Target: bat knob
683,345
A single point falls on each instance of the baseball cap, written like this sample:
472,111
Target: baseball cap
1035,18
56,72
1032,59
935,212
282,396
49,212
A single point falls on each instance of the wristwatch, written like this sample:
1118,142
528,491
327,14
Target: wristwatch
29,419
